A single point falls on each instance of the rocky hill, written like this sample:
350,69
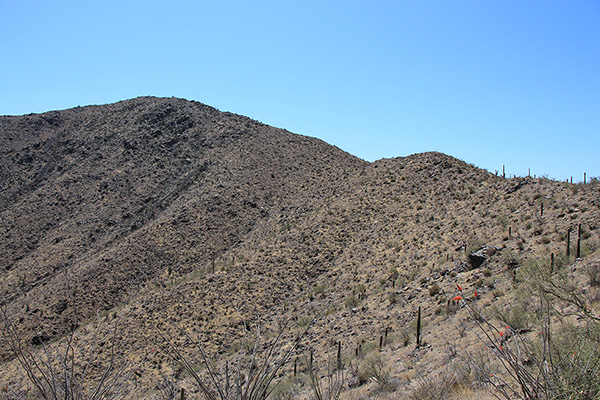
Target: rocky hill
168,216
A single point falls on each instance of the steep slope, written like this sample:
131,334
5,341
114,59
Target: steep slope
106,198
227,224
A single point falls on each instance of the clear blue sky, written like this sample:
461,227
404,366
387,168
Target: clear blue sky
494,83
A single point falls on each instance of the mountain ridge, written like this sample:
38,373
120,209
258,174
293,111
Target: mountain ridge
184,172
166,212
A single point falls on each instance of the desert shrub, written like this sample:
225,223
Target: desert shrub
400,281
449,308
351,301
434,289
593,273
404,337
374,368
589,246
515,315
288,388
320,288
360,289
544,240
510,258
304,321
558,360
440,386
561,260
394,297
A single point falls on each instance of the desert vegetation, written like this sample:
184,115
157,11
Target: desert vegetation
158,248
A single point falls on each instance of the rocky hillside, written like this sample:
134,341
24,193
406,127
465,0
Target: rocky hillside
166,215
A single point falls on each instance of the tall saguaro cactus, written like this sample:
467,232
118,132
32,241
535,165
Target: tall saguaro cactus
578,241
419,327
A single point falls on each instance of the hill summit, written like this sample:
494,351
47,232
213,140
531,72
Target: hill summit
169,216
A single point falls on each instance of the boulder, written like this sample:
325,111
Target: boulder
477,258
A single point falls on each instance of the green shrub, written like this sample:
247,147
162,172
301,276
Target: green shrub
351,301
434,289
360,289
320,288
373,368
304,321
517,316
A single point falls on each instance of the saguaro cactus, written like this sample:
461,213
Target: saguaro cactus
579,241
419,327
